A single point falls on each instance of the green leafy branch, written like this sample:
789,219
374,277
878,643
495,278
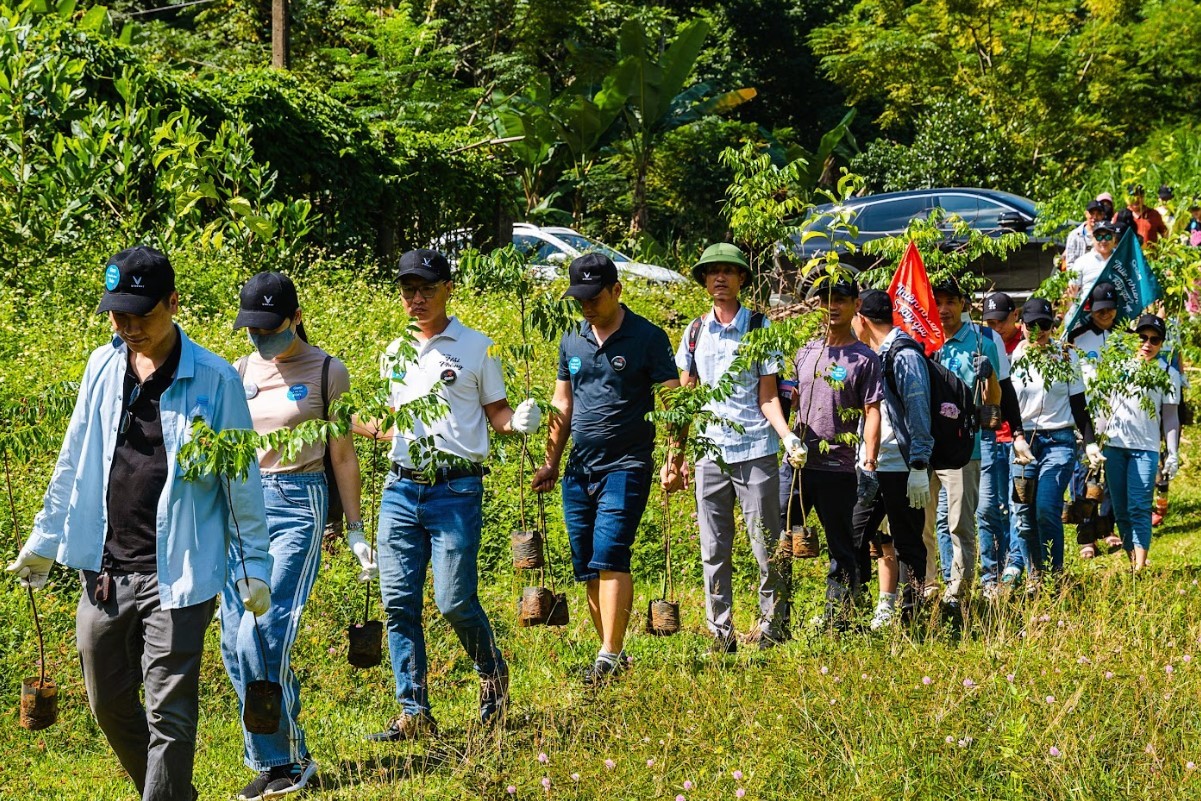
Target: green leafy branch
1120,372
1051,361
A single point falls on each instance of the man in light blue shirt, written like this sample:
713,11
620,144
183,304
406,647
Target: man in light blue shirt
151,548
751,469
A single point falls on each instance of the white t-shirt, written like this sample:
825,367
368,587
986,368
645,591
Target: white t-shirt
471,378
1087,268
1130,426
1090,344
1045,408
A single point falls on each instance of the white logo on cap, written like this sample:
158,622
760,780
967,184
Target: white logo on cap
587,276
425,262
137,280
992,304
267,300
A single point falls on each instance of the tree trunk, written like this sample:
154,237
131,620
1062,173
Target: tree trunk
279,34
640,217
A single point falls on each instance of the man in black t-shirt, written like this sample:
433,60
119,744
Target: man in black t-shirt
608,366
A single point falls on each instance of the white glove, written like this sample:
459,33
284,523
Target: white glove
526,417
366,556
795,451
255,595
918,489
1171,466
1021,451
1093,452
32,570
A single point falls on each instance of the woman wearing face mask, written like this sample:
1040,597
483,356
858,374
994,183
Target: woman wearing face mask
1053,406
1132,447
287,381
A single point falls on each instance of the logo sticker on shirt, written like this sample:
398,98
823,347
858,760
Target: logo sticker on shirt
449,376
251,389
574,364
838,372
1092,354
298,392
618,362
112,277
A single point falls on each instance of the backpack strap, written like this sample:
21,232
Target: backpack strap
240,366
325,387
898,344
694,335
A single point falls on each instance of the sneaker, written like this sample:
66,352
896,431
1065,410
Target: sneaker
494,698
723,644
884,614
290,778
601,673
405,727
1010,576
258,785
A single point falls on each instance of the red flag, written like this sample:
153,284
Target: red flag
913,308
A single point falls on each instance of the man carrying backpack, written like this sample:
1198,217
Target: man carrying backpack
751,470
906,445
835,375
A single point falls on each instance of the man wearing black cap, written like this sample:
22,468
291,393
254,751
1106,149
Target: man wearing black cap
431,513
905,448
836,373
608,367
1080,239
152,548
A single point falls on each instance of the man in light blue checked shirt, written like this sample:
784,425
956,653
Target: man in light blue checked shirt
151,548
751,472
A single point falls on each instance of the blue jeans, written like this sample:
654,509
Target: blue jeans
422,525
295,504
1131,478
1041,527
602,513
1000,544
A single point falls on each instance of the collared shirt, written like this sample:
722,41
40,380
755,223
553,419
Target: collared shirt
459,357
612,393
193,530
716,347
1078,243
958,355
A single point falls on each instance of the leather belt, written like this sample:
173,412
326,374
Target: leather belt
438,473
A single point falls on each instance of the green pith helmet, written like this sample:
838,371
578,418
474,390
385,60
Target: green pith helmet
721,253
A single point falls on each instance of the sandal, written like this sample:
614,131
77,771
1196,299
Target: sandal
1088,551
1114,543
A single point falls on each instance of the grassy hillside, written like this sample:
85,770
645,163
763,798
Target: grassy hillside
1091,693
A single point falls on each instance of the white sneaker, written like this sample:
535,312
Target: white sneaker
884,615
1010,575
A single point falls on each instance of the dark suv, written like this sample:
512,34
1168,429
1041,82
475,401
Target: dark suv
986,210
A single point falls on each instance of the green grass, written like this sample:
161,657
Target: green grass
846,717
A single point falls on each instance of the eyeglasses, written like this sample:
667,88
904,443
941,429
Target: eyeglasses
127,418
1103,237
1152,339
427,291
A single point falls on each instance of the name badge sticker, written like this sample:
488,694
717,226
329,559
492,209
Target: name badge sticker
449,376
838,372
251,389
619,363
298,392
574,364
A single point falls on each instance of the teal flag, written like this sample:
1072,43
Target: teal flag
1127,270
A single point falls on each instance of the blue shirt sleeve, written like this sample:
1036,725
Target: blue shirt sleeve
562,374
913,388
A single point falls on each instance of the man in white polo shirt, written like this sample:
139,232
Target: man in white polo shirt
431,513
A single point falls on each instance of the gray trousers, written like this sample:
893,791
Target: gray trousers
963,496
756,484
129,642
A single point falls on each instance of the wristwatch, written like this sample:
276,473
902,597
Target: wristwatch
355,526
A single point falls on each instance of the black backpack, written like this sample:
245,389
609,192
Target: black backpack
953,421
694,335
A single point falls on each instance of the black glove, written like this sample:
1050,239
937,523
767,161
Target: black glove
983,367
869,487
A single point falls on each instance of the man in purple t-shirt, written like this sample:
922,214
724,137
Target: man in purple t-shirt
839,389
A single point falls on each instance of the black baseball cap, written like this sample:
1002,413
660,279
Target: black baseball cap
950,286
1038,310
998,306
1135,189
589,274
1106,225
1104,296
835,285
1153,322
135,280
876,305
1094,205
428,265
1165,192
268,299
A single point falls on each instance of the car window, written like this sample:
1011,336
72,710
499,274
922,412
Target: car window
585,245
893,215
526,245
966,206
990,213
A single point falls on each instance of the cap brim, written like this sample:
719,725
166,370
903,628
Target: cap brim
584,291
825,290
424,273
254,318
1102,305
1040,319
127,304
997,314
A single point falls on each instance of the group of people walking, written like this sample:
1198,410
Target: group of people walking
158,557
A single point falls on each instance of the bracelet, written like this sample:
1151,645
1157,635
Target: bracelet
355,526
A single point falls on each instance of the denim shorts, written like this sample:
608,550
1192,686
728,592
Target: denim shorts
602,513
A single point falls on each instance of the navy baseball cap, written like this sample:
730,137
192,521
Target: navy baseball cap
876,305
1153,322
268,299
831,285
950,286
1104,296
589,274
428,265
1038,311
998,306
136,280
